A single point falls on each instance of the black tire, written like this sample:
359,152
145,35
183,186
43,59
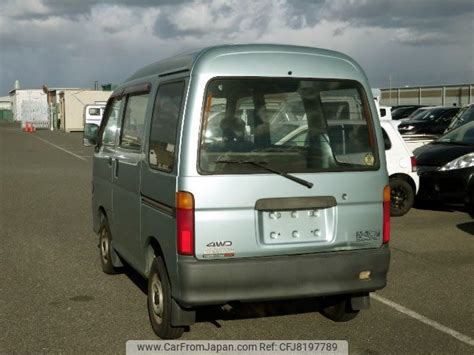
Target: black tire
402,197
470,203
338,309
159,302
105,248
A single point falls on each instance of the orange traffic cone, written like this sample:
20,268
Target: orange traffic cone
29,127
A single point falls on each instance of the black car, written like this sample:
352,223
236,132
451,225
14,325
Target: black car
401,112
446,167
430,121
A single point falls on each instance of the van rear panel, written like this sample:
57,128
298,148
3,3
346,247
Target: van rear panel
231,225
286,166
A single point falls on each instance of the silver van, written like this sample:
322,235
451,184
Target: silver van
194,188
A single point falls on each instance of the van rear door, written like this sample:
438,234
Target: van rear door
275,183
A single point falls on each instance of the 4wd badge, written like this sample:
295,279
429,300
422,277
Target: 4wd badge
219,249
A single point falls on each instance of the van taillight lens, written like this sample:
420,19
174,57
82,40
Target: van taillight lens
386,214
413,164
185,223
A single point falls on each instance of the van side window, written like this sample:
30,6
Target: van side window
134,121
386,140
164,126
110,130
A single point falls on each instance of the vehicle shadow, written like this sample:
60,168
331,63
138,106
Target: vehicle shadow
441,207
135,277
467,227
238,310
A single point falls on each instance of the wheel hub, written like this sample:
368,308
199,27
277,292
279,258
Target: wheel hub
398,198
104,246
157,298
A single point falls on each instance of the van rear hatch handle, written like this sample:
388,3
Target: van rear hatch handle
295,203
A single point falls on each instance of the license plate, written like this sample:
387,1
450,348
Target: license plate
298,226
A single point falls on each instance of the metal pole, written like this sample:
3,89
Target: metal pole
444,96
419,96
390,86
398,96
51,126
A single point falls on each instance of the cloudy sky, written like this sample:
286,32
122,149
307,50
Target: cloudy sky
72,43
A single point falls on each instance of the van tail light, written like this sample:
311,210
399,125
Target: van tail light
185,223
386,214
413,163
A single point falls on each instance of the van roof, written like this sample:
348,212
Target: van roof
189,61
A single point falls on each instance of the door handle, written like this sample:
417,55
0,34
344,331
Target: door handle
116,168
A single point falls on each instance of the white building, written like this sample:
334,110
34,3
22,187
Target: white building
71,104
5,103
30,106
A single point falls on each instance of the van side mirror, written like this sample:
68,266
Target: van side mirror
91,132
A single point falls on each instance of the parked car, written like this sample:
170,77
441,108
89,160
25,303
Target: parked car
464,115
402,112
446,167
401,164
236,217
92,117
418,112
430,121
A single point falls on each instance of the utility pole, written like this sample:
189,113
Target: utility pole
390,89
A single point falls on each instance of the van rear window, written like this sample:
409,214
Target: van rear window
294,125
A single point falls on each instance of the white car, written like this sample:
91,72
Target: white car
401,164
385,112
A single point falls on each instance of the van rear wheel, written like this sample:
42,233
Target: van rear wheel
159,302
402,197
338,309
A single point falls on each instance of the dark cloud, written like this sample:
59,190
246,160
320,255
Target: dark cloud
338,31
395,14
420,17
165,28
77,8
235,22
302,13
379,13
75,42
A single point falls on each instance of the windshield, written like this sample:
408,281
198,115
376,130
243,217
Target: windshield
460,135
429,115
418,112
291,125
464,115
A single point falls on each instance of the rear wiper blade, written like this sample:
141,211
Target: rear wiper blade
262,165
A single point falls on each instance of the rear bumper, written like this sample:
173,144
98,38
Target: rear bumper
281,277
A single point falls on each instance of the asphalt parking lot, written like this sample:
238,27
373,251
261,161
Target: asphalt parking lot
54,297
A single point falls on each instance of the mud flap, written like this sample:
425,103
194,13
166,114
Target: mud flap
180,316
